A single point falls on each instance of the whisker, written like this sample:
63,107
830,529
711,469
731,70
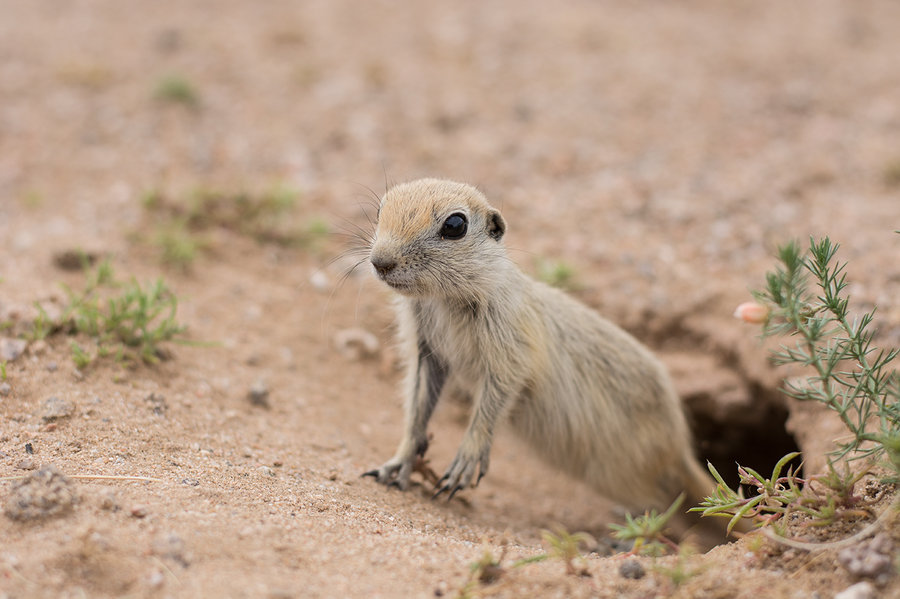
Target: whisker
346,275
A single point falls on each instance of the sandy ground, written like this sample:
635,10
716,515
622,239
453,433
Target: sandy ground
660,150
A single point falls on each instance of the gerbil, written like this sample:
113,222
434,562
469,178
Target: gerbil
583,393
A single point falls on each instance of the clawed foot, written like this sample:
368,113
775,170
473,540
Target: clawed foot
393,473
461,472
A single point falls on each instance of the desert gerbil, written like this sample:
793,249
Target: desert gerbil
583,393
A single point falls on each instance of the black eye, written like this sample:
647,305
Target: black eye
454,227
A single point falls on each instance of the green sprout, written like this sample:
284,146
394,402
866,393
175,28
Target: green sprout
177,90
647,531
565,546
557,274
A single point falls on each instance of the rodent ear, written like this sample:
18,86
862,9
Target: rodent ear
496,226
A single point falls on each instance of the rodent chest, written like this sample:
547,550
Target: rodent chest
454,336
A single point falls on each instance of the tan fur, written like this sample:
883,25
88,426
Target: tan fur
584,394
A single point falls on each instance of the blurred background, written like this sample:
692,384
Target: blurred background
647,155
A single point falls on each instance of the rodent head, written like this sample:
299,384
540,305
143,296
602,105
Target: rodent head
437,238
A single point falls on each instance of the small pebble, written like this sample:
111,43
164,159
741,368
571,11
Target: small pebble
631,569
870,558
171,546
860,590
265,470
41,494
5,389
356,344
74,260
139,511
52,367
55,408
319,280
259,394
191,482
11,349
157,403
109,502
155,579
26,464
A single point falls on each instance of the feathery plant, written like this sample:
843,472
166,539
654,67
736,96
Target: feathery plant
850,376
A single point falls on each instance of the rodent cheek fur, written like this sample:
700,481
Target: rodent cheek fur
430,265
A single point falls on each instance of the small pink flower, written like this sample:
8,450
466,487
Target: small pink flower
752,312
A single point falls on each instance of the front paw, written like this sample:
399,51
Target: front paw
462,470
394,473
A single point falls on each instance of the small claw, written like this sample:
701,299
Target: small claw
454,491
395,484
439,491
480,476
373,473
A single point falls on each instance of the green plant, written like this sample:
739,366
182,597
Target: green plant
488,570
130,325
151,199
557,274
178,245
831,496
3,370
680,571
267,217
33,199
316,230
565,546
80,357
851,376
647,531
176,89
41,326
773,498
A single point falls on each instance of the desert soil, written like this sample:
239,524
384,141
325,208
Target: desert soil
660,150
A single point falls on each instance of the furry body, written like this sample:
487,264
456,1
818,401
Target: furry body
584,394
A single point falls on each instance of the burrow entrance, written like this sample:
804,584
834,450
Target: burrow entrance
754,435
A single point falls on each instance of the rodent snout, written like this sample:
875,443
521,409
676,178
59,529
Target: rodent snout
383,265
